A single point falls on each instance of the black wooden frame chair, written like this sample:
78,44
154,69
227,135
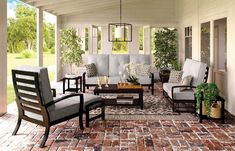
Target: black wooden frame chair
170,94
37,106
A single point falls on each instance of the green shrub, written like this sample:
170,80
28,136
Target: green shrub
26,54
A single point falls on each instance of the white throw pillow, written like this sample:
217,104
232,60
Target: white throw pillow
175,76
143,69
186,81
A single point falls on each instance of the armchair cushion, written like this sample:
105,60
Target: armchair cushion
70,106
178,95
196,69
64,108
44,82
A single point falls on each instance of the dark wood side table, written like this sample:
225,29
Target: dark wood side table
218,99
78,80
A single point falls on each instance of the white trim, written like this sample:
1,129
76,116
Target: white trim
3,57
58,69
39,37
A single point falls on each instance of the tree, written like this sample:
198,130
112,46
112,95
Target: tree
22,31
72,53
165,54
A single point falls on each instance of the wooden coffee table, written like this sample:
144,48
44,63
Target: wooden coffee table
114,89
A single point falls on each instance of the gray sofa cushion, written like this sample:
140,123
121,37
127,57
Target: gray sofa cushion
92,80
70,106
44,82
144,79
116,64
196,69
101,62
114,79
140,59
179,95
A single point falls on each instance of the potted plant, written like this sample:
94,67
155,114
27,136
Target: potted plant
72,52
165,51
206,92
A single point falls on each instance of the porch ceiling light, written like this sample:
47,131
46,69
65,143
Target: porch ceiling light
122,31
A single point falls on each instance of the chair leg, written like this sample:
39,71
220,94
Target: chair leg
152,89
17,126
173,106
103,112
87,117
81,122
45,137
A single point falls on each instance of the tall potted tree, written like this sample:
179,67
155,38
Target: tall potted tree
165,54
72,52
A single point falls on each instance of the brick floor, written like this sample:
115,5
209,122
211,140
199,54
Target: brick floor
118,135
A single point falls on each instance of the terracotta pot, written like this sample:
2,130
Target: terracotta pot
215,111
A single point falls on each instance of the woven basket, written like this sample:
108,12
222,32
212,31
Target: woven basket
215,110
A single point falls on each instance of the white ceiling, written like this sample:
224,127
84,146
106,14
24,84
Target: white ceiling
104,11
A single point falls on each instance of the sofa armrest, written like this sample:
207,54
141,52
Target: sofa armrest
152,77
84,81
180,86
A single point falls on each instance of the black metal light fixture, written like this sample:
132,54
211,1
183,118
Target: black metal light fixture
122,31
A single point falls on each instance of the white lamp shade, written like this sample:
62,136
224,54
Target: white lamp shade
118,32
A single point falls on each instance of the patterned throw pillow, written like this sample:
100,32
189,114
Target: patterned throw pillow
133,69
186,81
175,76
143,69
91,70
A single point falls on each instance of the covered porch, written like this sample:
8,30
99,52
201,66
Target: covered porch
190,18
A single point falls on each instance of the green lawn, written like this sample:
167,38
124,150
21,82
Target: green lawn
13,61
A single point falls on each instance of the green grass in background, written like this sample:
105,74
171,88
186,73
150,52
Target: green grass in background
14,60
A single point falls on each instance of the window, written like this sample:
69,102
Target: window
86,39
153,30
205,42
99,40
140,31
188,42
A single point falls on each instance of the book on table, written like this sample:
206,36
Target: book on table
125,99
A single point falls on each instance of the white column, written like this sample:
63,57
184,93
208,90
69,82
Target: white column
3,57
90,40
211,65
83,37
106,46
133,47
147,40
58,69
39,37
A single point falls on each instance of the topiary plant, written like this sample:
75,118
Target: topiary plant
165,53
206,92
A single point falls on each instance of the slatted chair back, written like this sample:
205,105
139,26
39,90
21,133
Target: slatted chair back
29,97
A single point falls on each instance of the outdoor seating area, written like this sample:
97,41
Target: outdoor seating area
117,75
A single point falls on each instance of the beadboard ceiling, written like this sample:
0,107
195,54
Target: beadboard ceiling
105,11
